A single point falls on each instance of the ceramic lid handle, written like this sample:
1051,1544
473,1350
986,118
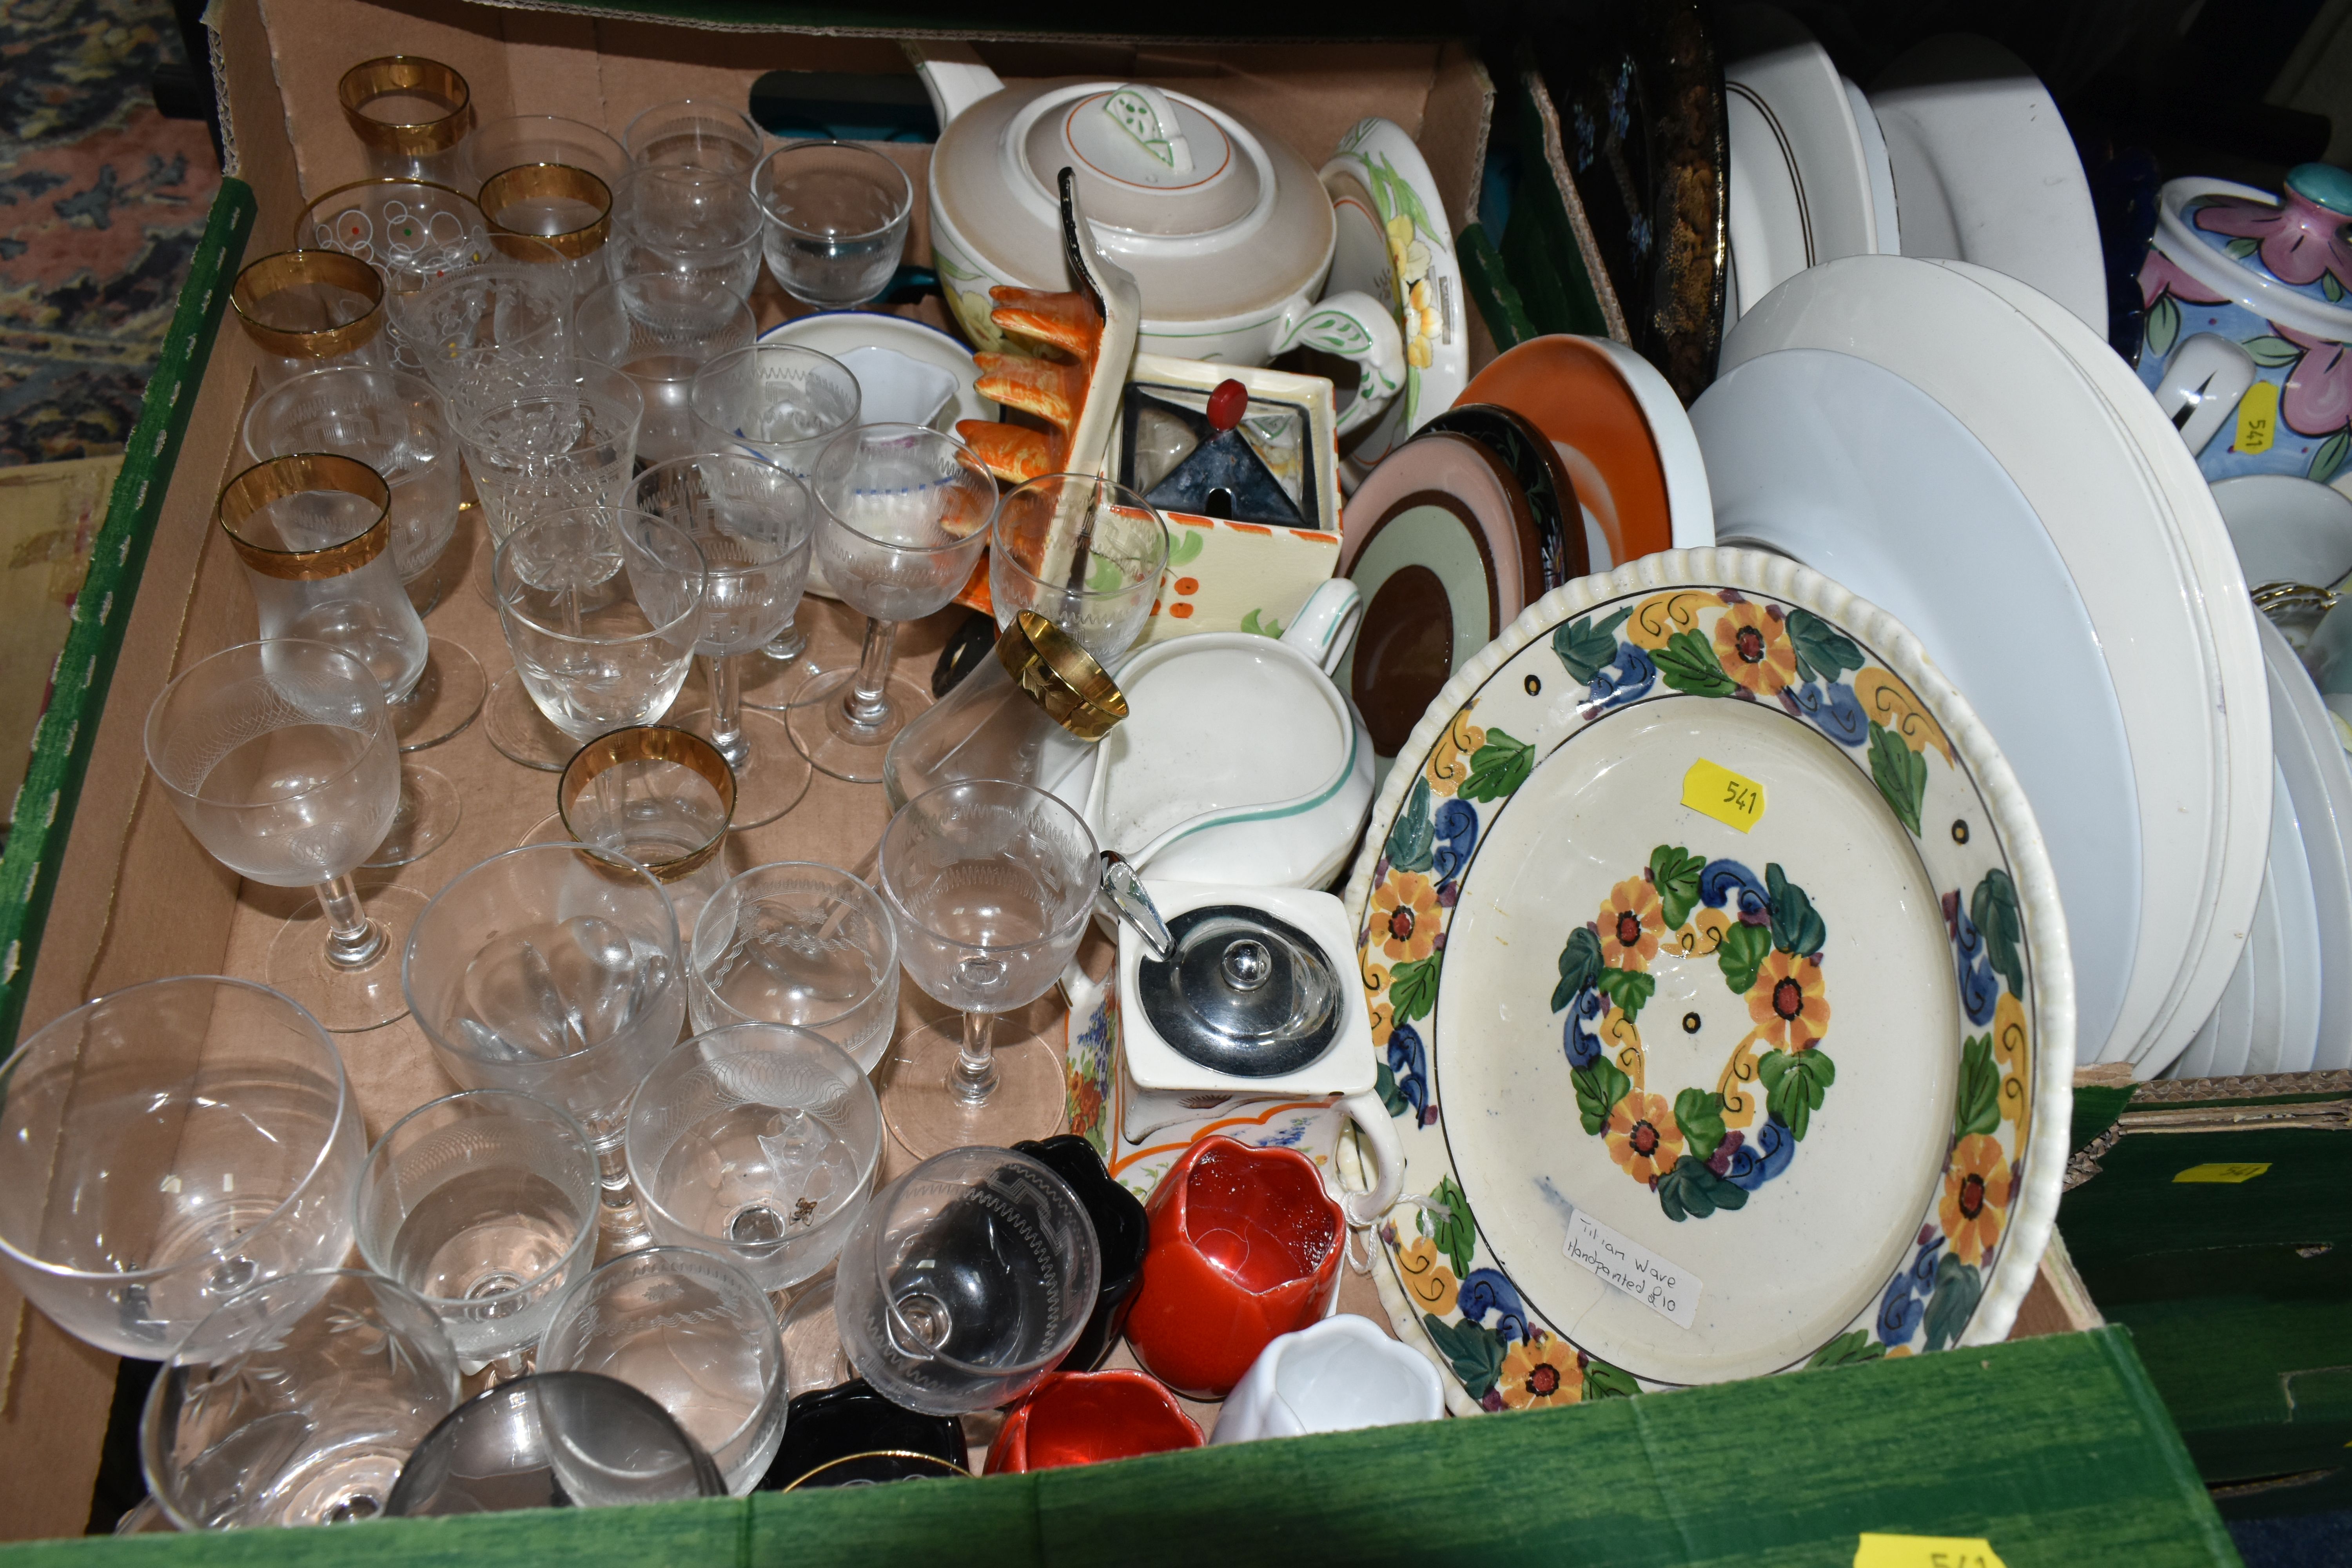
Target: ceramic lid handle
1144,113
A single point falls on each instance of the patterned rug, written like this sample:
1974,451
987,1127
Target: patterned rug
101,202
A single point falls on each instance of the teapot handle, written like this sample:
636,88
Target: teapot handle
1354,326
1372,1119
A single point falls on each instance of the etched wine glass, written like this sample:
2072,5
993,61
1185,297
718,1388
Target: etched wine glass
753,523
484,1204
296,1402
990,883
780,403
907,511
278,756
837,215
659,331
698,225
165,1147
603,635
966,1282
802,943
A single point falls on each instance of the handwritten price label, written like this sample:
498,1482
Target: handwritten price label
1713,790
2221,1175
1926,1552
2258,419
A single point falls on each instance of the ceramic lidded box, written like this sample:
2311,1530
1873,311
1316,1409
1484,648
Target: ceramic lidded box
2247,323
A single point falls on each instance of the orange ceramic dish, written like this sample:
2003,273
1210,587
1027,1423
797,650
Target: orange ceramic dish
1246,1244
1619,431
1087,1417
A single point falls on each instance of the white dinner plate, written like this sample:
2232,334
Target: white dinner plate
1985,170
2020,394
1883,208
2291,1038
1795,446
2319,778
1800,187
2217,575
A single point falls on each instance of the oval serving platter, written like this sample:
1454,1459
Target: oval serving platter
1798,1086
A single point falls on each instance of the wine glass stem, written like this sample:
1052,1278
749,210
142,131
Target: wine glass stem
868,701
354,940
973,1076
788,644
726,710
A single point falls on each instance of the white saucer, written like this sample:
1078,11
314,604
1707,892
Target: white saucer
2021,395
837,332
2291,1037
1986,170
2215,576
1846,466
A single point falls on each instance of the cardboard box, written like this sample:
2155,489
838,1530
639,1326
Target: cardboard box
135,897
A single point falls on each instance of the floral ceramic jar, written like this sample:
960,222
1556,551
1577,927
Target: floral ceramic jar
2247,323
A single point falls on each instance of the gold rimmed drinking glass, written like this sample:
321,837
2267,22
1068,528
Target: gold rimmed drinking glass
307,309
411,115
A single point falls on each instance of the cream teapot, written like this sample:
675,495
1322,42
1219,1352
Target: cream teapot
1227,230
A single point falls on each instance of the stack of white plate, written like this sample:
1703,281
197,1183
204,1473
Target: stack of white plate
1966,453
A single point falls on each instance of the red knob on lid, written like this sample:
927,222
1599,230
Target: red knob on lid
1227,403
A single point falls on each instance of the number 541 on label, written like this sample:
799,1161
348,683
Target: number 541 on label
1733,799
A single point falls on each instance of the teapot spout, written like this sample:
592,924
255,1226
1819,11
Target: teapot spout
952,76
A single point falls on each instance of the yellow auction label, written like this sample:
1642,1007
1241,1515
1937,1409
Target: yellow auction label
1713,790
2258,419
2222,1175
1926,1552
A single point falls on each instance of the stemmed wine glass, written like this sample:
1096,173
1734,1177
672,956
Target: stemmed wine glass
314,534
990,884
780,403
907,514
659,330
803,943
278,756
166,1146
966,1282
754,522
602,634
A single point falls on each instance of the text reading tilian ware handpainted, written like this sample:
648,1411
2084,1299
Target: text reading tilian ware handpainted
1617,1260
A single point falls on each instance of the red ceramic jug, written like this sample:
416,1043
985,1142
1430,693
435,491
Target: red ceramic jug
1246,1244
1084,1417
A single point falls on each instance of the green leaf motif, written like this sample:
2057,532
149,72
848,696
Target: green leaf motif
1796,928
2245,245
1742,955
1900,774
1395,194
1257,628
1602,1381
1186,544
1689,664
1457,1234
2271,353
1847,1350
1384,1080
1699,1114
1675,875
1414,987
1412,842
1959,1287
1823,652
1627,988
2328,460
1993,908
1472,1350
1693,1190
1586,648
2331,288
1599,1088
1795,1083
1498,767
2163,326
1579,966
1980,1103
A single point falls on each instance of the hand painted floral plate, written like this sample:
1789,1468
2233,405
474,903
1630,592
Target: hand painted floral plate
1723,992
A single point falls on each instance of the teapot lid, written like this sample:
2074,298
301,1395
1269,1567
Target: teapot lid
1242,992
1146,160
